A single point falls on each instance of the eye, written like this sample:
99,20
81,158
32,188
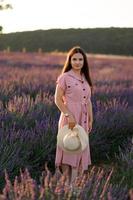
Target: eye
80,59
74,59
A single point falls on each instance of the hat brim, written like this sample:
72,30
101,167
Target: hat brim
82,135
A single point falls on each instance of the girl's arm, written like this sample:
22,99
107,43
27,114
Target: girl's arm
90,111
59,102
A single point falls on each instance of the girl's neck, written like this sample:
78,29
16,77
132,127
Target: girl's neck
78,73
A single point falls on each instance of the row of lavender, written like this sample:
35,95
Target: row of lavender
28,119
96,184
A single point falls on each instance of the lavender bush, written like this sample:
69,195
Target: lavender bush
113,125
125,164
93,185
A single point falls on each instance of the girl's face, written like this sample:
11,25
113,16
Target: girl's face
77,61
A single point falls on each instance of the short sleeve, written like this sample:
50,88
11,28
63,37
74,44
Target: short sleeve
61,82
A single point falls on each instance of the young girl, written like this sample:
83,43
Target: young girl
73,98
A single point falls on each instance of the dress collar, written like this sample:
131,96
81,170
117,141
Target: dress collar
73,74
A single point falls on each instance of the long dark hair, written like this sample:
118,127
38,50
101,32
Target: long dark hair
85,68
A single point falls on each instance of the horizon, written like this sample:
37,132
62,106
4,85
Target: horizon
69,29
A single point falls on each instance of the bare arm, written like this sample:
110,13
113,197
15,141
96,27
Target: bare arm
62,107
90,111
59,102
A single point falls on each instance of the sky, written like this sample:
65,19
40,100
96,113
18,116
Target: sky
29,15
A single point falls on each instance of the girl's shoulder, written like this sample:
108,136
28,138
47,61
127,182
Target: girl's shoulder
63,75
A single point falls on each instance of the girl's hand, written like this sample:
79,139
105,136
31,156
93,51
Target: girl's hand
89,126
71,122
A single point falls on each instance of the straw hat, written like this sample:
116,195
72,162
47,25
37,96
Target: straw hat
72,141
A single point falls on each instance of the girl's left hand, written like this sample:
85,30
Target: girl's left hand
89,126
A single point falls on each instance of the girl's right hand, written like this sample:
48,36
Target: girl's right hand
71,122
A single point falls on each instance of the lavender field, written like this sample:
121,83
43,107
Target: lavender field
29,120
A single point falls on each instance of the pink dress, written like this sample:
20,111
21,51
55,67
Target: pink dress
76,97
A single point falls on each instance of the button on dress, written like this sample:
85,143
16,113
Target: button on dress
77,94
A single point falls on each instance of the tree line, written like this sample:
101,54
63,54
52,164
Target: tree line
94,40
